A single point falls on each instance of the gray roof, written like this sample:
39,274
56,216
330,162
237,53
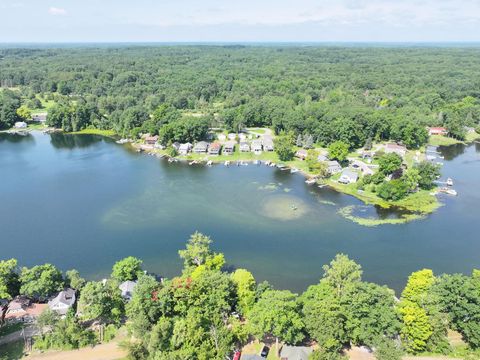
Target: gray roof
64,299
127,288
350,174
201,145
295,352
251,357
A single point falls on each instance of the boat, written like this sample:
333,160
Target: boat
256,162
321,186
294,207
294,170
310,181
281,166
272,164
449,182
227,163
267,163
448,191
209,163
122,141
193,162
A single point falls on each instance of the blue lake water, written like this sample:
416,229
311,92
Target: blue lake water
82,201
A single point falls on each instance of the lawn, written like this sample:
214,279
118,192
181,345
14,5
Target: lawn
440,140
255,347
92,131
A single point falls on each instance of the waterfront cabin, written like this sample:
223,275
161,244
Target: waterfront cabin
295,352
256,147
214,148
244,147
267,143
348,177
333,167
437,131
229,148
242,136
63,301
301,154
127,288
184,149
200,147
396,149
20,125
151,140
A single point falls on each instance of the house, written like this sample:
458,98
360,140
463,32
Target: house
348,177
229,148
256,146
295,352
366,170
127,288
222,137
267,143
151,140
214,148
437,131
200,147
63,301
396,149
232,136
242,137
176,146
184,149
20,125
333,167
40,117
301,154
244,147
22,309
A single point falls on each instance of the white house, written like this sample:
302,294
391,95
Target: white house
20,125
184,149
256,146
333,167
63,301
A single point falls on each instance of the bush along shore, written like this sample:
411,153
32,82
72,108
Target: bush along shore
209,312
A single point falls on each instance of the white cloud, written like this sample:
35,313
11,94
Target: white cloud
57,11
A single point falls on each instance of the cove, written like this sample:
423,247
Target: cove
82,201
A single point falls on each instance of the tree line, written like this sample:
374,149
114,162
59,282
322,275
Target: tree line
351,94
207,311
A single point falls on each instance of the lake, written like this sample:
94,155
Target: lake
84,202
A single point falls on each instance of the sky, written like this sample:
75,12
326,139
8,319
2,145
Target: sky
239,21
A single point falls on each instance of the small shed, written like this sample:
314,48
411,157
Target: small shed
301,154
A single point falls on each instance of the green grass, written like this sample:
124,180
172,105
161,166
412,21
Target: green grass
440,140
10,328
472,137
91,131
12,351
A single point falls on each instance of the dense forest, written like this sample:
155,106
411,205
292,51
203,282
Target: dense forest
350,94
211,309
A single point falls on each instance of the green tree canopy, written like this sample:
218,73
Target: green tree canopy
40,281
127,269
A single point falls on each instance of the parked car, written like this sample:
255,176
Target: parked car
264,352
236,355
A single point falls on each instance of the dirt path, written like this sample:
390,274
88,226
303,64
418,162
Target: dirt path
109,351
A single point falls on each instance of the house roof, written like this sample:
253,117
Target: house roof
229,145
185,146
395,147
65,297
333,163
127,287
350,174
215,146
251,357
295,352
201,145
